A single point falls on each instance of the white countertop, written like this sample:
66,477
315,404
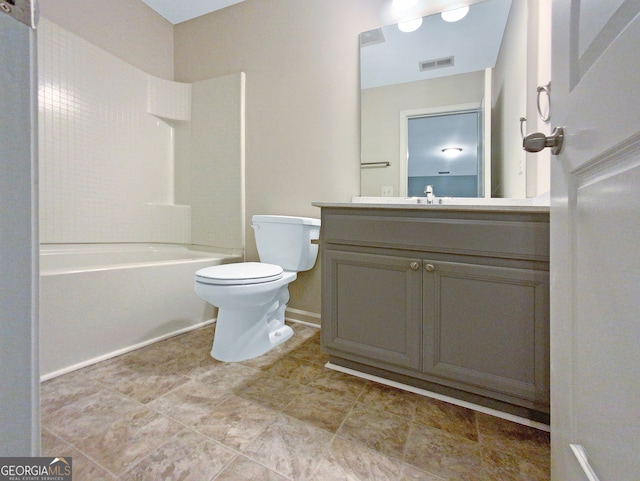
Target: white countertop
538,205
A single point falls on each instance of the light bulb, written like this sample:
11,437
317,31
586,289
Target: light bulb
410,25
451,152
455,14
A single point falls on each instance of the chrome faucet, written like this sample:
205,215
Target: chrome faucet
428,191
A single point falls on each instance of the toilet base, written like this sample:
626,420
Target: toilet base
280,335
246,334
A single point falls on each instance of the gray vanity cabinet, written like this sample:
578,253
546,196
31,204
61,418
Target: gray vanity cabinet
440,297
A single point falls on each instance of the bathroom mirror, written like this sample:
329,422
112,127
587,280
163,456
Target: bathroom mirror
417,87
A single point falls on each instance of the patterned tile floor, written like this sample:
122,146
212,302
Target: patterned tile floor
171,412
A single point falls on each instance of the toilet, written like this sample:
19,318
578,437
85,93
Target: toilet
252,296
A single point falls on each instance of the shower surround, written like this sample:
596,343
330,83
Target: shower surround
115,142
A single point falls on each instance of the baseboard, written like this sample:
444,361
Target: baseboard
440,397
299,316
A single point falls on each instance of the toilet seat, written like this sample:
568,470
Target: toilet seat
241,273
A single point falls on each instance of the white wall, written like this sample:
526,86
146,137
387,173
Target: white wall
210,163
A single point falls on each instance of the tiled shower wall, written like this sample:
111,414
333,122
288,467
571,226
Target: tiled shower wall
107,166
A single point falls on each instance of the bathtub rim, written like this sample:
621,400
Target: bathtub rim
223,255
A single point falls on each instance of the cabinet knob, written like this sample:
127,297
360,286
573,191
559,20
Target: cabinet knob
414,266
429,267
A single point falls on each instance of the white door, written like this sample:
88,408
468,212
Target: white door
595,239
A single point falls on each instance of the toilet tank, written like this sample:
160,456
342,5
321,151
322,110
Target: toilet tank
286,240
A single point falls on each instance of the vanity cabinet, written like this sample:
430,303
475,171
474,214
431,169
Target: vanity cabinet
446,299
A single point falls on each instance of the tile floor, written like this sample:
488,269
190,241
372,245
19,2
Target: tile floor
171,412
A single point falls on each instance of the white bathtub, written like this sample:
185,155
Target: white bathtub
101,300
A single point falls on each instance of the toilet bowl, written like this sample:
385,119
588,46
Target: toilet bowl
252,296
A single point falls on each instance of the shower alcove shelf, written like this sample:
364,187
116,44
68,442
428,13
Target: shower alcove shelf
448,298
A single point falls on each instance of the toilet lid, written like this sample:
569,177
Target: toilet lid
239,273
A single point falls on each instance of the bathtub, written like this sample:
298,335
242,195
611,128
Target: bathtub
101,300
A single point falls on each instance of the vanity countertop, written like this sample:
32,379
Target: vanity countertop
533,209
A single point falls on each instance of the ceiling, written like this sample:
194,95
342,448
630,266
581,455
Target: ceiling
177,11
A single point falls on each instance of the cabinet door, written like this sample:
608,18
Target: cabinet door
488,327
372,306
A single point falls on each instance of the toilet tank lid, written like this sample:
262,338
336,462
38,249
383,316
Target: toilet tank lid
285,219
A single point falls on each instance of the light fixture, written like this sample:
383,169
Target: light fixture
405,15
455,14
451,152
410,25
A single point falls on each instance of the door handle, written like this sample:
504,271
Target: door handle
537,141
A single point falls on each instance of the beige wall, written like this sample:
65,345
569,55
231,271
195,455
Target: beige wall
127,29
301,62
